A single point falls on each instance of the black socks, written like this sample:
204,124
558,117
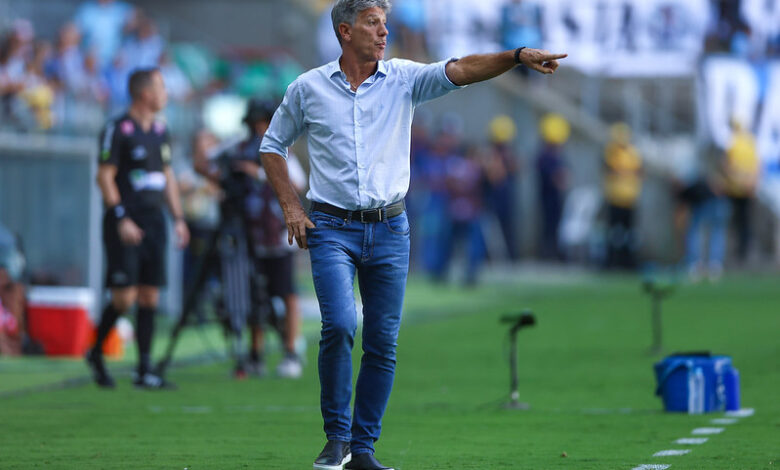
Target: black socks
144,332
143,335
107,321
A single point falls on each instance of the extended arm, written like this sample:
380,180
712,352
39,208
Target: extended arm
276,171
480,67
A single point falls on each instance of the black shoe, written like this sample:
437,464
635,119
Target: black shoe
333,456
365,462
149,381
99,373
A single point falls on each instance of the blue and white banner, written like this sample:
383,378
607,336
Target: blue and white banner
614,38
749,92
620,38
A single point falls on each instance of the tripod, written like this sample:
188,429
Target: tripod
229,229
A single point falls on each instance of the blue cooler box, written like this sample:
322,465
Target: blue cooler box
697,383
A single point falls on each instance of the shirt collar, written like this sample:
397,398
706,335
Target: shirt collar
333,68
382,68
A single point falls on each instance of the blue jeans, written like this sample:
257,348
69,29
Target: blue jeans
469,231
712,214
379,253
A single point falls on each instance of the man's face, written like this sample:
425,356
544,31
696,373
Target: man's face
368,36
155,94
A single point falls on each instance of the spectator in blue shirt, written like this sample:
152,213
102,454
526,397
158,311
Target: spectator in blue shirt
552,176
103,22
144,48
465,186
66,68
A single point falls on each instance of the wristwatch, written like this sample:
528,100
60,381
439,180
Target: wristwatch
517,54
119,212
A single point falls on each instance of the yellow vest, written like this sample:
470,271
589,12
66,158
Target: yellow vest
623,182
743,164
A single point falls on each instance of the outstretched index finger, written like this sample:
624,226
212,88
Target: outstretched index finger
548,57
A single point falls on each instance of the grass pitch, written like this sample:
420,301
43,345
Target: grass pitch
584,369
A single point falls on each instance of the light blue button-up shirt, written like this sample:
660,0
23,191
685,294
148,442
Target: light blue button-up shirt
358,141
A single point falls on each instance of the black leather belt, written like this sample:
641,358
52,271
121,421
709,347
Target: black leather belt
366,216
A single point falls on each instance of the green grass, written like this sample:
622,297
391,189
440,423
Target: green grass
584,369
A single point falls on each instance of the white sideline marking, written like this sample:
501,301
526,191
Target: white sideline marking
701,431
671,453
743,413
724,421
692,440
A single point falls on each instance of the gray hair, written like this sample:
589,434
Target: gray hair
346,11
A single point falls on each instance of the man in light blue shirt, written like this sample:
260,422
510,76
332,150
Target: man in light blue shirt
358,113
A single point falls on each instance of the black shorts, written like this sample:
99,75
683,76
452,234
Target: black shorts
278,272
143,264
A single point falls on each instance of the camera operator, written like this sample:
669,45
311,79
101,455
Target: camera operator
256,264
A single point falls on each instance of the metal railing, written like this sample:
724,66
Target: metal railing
48,196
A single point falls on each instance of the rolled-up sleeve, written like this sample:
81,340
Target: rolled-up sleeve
286,125
428,81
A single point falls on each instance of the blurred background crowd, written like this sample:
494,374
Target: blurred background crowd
657,144
70,79
50,78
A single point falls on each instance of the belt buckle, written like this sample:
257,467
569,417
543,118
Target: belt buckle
368,212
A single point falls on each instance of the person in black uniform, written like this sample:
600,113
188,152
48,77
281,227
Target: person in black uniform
135,179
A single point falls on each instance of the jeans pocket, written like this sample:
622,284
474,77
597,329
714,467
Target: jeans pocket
326,221
399,224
